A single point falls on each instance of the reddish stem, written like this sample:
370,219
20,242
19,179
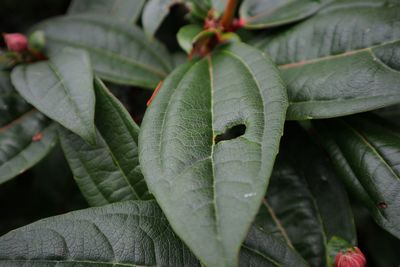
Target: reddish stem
229,14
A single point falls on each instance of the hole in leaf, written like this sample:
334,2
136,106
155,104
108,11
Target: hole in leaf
231,133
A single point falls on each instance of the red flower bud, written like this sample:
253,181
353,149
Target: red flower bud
352,257
16,42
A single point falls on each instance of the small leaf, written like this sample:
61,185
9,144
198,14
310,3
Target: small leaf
209,183
269,13
128,10
61,88
340,62
154,12
366,156
108,172
122,234
306,205
24,142
119,52
186,35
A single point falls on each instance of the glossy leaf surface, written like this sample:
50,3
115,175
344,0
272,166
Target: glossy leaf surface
119,52
61,88
306,205
269,13
210,185
342,61
366,154
108,172
122,234
127,10
186,35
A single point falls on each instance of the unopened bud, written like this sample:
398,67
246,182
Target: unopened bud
37,41
16,42
351,257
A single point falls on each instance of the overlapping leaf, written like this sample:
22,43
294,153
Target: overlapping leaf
270,13
345,60
122,234
61,88
127,10
366,154
208,187
108,172
306,205
26,136
154,12
119,52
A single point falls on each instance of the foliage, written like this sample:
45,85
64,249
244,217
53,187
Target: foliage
203,176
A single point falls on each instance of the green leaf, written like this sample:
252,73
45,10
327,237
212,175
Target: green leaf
219,5
12,105
154,13
306,205
108,172
186,35
342,61
128,10
210,188
119,52
24,142
61,88
366,153
269,13
263,249
122,234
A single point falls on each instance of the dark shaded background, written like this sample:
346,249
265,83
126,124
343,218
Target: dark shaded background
48,189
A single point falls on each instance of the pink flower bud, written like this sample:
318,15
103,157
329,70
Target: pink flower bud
352,257
16,42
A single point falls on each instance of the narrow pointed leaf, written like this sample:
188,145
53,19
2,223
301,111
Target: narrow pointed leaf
127,10
61,88
269,13
366,154
108,172
208,187
24,142
128,234
119,52
342,61
154,13
306,205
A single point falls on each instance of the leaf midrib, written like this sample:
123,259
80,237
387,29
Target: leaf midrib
111,54
332,57
130,36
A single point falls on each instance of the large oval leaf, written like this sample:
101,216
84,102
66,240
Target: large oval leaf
61,88
128,10
270,13
123,234
119,52
108,172
366,154
210,188
306,205
154,12
340,62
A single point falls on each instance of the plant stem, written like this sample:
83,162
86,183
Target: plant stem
229,13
